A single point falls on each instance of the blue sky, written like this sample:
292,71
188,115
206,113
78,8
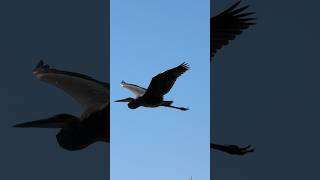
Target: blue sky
147,38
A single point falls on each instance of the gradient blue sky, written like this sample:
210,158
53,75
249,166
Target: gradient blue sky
149,37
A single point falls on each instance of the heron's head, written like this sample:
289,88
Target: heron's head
133,104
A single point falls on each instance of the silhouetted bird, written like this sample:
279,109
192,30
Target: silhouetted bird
158,87
227,25
232,149
94,123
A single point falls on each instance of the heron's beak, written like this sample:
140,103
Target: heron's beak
124,100
44,123
53,122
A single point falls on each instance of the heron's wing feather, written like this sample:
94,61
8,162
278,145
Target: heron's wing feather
58,121
227,25
90,93
137,90
162,83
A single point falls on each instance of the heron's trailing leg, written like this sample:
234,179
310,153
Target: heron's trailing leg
180,108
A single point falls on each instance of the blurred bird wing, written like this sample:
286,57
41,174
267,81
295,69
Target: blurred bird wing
90,93
227,25
137,90
162,83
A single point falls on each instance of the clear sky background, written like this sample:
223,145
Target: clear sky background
68,35
147,38
266,93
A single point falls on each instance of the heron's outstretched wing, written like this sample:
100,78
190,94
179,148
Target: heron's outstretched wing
162,83
90,93
137,90
227,25
57,121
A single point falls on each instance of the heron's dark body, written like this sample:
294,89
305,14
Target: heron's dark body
80,134
149,101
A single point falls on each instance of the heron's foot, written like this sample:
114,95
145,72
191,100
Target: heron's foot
184,109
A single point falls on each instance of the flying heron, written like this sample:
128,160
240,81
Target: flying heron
160,85
225,26
94,123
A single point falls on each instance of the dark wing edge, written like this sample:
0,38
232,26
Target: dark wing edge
162,83
42,67
90,93
227,25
